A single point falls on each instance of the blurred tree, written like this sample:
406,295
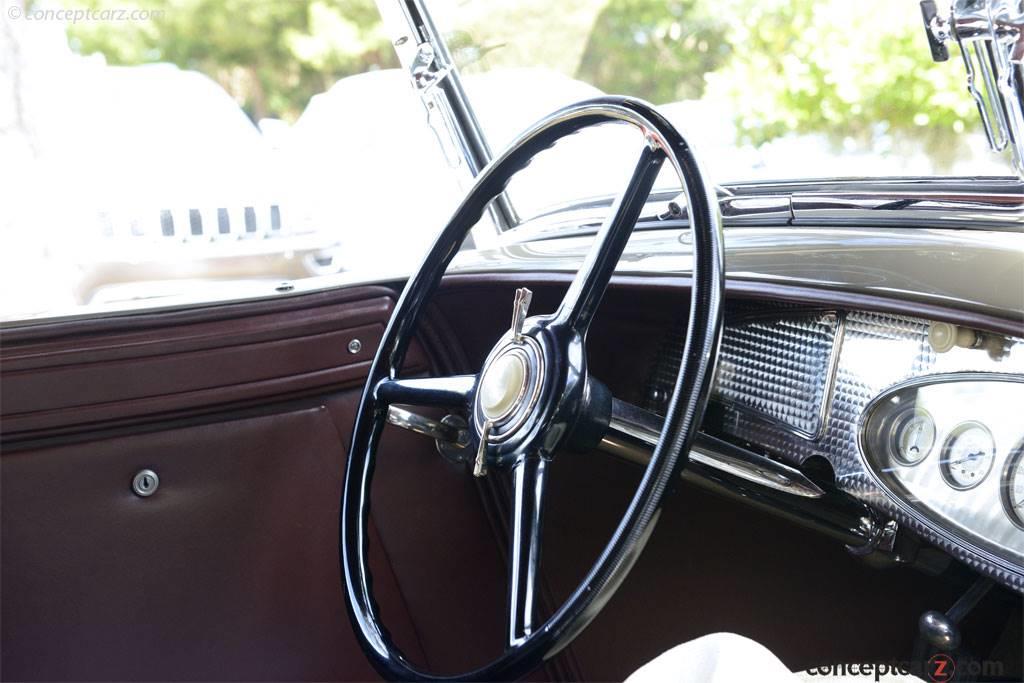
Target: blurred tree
860,73
270,56
655,49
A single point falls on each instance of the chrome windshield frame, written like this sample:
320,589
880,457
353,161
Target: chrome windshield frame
424,55
966,202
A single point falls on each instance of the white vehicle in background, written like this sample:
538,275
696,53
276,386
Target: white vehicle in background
194,201
398,180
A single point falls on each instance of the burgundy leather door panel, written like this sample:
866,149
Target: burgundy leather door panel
124,370
228,572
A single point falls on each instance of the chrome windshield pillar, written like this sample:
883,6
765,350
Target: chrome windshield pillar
424,55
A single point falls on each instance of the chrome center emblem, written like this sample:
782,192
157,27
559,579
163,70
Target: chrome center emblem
503,385
511,381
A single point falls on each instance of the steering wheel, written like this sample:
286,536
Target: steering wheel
534,396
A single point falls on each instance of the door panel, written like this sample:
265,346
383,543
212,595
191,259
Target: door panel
230,570
86,372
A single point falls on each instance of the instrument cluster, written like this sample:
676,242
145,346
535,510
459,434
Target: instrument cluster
929,434
952,447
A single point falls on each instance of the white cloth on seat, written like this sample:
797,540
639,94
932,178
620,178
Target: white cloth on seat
715,658
728,657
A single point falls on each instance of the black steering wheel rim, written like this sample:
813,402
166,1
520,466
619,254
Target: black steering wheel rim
684,412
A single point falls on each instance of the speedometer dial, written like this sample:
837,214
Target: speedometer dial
968,455
1013,487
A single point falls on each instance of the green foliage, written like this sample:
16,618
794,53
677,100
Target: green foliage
832,67
271,56
655,49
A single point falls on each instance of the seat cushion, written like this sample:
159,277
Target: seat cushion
727,657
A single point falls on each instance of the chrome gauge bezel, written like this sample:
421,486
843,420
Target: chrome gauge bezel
950,441
900,422
1015,460
961,518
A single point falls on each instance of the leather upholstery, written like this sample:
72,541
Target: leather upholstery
230,570
227,572
128,370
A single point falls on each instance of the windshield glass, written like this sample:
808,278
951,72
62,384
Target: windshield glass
766,89
165,152
205,150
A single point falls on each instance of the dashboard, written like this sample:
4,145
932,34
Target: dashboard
798,381
920,420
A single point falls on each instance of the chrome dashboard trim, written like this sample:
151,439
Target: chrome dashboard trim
881,351
963,270
994,205
974,211
645,428
1016,455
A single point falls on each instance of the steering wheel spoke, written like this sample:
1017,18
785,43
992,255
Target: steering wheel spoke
588,287
449,392
528,477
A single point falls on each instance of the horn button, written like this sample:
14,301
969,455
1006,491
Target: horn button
503,385
509,387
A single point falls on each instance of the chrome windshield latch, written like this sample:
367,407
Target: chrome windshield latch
425,70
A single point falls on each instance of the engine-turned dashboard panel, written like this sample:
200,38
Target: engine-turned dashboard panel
919,420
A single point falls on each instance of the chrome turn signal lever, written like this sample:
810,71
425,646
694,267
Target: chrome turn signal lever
450,433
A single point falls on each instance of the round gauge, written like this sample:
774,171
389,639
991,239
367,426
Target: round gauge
912,437
968,455
1013,487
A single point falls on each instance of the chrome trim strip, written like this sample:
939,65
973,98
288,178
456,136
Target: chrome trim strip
644,429
963,209
994,204
894,184
436,430
974,271
424,54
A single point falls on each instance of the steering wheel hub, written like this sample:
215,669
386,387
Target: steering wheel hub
509,387
503,386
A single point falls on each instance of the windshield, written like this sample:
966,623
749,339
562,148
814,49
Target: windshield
166,152
766,89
